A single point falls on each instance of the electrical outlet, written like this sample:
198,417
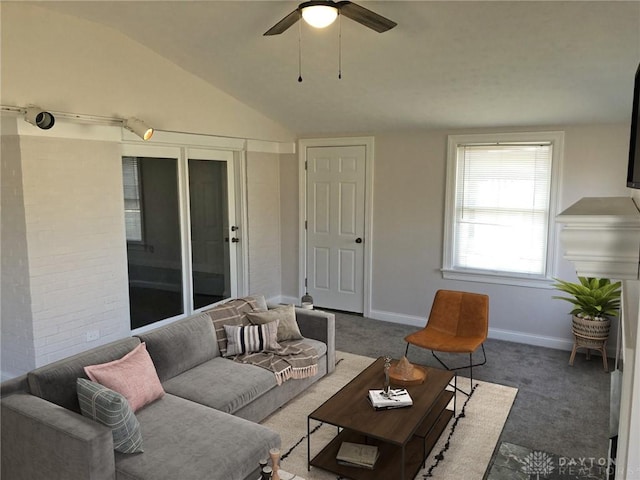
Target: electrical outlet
93,335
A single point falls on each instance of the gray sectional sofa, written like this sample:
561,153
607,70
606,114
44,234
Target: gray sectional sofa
204,427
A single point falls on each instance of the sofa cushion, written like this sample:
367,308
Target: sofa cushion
287,326
133,376
186,440
102,404
181,345
222,384
56,382
251,338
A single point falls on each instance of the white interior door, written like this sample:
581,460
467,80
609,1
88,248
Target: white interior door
336,226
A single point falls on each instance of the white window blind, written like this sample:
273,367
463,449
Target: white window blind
502,204
132,199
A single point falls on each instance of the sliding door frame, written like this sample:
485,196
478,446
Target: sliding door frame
237,205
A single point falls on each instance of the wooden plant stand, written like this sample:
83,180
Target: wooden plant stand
589,344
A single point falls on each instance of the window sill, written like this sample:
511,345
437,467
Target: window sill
498,278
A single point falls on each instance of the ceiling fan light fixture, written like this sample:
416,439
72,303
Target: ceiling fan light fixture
319,14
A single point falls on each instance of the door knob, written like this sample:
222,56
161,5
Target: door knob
358,240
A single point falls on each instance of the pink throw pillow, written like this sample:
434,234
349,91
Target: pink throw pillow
133,376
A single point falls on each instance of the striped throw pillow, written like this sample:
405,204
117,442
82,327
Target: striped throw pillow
102,404
251,338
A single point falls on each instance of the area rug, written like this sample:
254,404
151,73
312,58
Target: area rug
463,451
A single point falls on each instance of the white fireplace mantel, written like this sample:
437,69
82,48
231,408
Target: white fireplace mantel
601,236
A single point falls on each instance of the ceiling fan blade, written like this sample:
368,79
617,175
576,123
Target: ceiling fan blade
285,23
365,17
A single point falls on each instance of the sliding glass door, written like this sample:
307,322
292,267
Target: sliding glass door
212,229
154,251
182,242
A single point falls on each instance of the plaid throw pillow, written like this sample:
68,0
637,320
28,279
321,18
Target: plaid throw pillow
251,338
111,409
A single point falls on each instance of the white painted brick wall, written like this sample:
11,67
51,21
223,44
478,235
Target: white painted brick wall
17,343
263,204
77,252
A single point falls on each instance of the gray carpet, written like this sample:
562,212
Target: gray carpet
514,462
559,408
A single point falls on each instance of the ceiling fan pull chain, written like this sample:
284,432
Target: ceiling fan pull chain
299,51
339,46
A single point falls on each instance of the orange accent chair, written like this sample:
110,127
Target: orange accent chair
458,323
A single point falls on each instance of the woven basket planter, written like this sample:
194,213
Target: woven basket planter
591,332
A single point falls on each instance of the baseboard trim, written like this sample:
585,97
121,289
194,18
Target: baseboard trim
531,339
398,318
284,299
495,333
556,343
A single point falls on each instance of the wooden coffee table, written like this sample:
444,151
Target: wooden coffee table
404,436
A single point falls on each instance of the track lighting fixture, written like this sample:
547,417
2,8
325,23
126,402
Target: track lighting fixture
138,127
46,120
40,118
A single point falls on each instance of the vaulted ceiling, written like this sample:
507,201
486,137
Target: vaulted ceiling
448,64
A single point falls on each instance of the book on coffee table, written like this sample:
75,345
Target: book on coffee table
357,455
397,398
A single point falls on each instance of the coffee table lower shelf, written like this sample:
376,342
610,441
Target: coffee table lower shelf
388,464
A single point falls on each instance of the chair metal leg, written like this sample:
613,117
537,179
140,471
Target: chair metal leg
470,366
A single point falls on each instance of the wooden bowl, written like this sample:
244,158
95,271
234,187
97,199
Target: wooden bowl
404,374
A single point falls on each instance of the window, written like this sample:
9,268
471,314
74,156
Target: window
132,199
500,207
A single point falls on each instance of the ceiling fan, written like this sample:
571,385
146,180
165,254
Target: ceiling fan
322,13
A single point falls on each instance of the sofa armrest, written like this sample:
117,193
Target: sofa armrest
320,326
41,440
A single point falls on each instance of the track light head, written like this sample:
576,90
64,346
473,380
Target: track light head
138,127
40,118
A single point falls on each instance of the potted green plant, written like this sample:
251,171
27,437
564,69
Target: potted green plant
595,301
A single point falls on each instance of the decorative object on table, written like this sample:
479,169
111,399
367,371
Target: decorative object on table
266,473
306,301
404,373
387,366
357,455
391,398
596,300
263,463
274,453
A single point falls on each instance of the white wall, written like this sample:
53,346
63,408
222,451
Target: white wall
17,349
289,204
263,204
408,219
73,249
